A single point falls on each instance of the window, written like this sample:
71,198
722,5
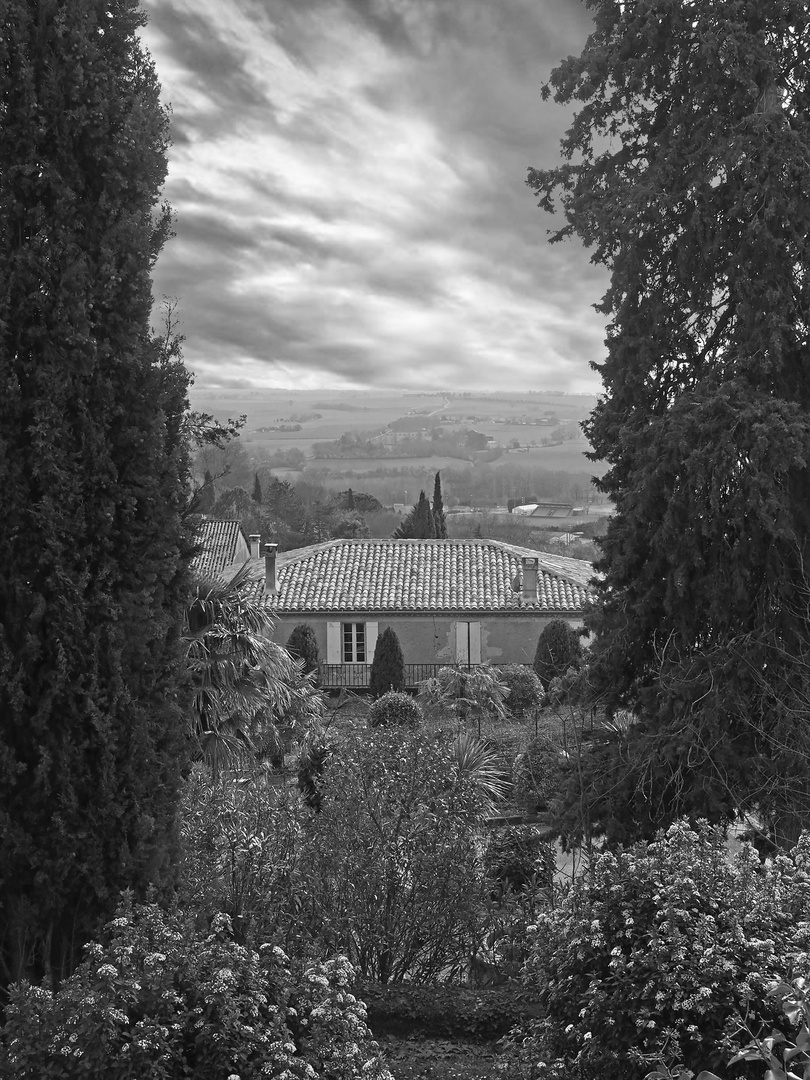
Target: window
350,642
354,642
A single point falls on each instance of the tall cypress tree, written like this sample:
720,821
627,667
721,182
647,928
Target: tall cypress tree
93,482
438,508
418,523
687,172
257,489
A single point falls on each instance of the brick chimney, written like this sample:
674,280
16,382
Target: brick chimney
270,583
529,580
255,545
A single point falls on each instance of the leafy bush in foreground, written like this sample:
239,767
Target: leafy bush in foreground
656,955
389,867
163,1001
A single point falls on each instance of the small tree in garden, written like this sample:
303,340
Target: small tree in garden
558,648
388,665
303,644
464,694
390,865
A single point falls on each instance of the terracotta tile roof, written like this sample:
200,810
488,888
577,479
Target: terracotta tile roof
421,575
220,546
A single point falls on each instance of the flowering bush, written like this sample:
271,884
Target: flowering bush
163,1001
655,955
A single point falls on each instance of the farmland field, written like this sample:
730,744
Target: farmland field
370,465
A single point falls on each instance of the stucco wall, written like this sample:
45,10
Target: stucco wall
428,640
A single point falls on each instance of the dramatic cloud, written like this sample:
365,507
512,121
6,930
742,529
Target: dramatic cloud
349,182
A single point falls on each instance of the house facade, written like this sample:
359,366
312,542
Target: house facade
464,602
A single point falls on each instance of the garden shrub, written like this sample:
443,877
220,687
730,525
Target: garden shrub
388,665
536,774
162,1000
390,865
657,953
312,761
303,644
525,689
395,709
559,648
517,856
464,693
239,843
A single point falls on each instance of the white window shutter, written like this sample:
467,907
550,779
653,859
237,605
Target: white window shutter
333,655
461,643
475,642
371,640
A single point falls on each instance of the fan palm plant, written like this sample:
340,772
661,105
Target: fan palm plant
245,687
477,763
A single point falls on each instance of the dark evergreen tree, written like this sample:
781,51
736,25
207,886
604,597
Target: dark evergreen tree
419,523
302,644
687,174
257,490
362,502
558,648
388,665
94,478
438,508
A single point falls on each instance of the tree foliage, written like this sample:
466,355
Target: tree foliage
388,665
390,861
303,644
419,523
248,692
93,483
687,171
439,518
558,649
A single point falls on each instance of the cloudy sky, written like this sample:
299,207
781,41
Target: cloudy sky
349,183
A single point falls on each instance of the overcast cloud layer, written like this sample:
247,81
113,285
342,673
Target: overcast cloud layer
349,183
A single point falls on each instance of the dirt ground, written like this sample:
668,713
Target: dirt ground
417,1058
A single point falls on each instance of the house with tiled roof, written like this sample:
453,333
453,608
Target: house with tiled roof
222,543
448,601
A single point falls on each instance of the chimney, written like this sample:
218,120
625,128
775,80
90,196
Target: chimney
270,584
529,580
255,545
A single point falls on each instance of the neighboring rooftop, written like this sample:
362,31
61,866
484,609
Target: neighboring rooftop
421,575
222,543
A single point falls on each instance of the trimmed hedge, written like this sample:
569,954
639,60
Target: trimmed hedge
395,709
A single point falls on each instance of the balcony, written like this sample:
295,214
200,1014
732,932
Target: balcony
356,676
